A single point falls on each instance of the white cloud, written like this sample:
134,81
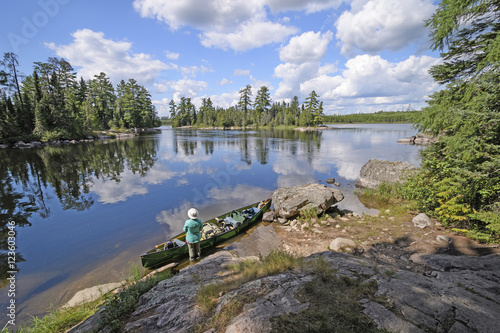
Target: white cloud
182,88
302,56
94,54
373,81
308,47
375,25
162,107
237,24
310,6
224,100
219,15
224,81
171,55
249,35
192,71
241,72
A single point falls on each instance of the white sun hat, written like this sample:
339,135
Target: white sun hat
193,213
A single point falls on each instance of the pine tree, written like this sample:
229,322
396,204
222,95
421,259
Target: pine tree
464,164
261,106
245,102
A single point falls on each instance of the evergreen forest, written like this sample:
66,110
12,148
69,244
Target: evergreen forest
51,103
249,112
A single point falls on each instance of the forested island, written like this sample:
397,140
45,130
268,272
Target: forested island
52,104
263,112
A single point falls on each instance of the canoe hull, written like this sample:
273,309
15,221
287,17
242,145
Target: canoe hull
154,257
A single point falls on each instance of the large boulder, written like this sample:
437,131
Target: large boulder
290,201
375,172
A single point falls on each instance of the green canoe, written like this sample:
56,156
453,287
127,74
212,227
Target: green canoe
215,231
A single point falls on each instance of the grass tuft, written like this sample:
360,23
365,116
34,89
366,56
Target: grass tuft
333,304
119,306
244,271
59,320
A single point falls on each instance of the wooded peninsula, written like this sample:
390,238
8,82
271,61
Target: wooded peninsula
51,104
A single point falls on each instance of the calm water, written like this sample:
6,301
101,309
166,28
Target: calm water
83,213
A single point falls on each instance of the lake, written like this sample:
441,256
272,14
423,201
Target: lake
84,212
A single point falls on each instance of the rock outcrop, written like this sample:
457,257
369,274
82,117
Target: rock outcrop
455,294
290,201
375,172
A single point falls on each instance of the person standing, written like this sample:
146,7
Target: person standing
192,227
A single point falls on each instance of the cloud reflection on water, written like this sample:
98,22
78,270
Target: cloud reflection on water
221,200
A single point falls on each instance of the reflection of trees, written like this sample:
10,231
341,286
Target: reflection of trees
29,176
245,151
261,142
14,206
291,141
209,146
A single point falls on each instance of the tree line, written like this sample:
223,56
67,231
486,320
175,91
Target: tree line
261,111
52,103
373,118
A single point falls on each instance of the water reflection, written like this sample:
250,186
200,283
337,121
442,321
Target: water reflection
83,207
30,178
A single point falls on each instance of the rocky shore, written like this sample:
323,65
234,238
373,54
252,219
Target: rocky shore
99,136
426,278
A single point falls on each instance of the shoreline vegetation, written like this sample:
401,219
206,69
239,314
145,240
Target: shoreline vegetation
263,112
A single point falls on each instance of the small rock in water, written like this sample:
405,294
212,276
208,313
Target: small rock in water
330,180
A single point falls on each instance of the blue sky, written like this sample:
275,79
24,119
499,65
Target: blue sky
359,55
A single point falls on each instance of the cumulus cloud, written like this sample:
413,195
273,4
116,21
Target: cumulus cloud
224,100
308,47
162,106
302,58
249,35
310,6
213,14
93,53
239,24
372,80
375,25
181,88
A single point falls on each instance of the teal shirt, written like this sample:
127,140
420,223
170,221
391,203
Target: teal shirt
192,229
